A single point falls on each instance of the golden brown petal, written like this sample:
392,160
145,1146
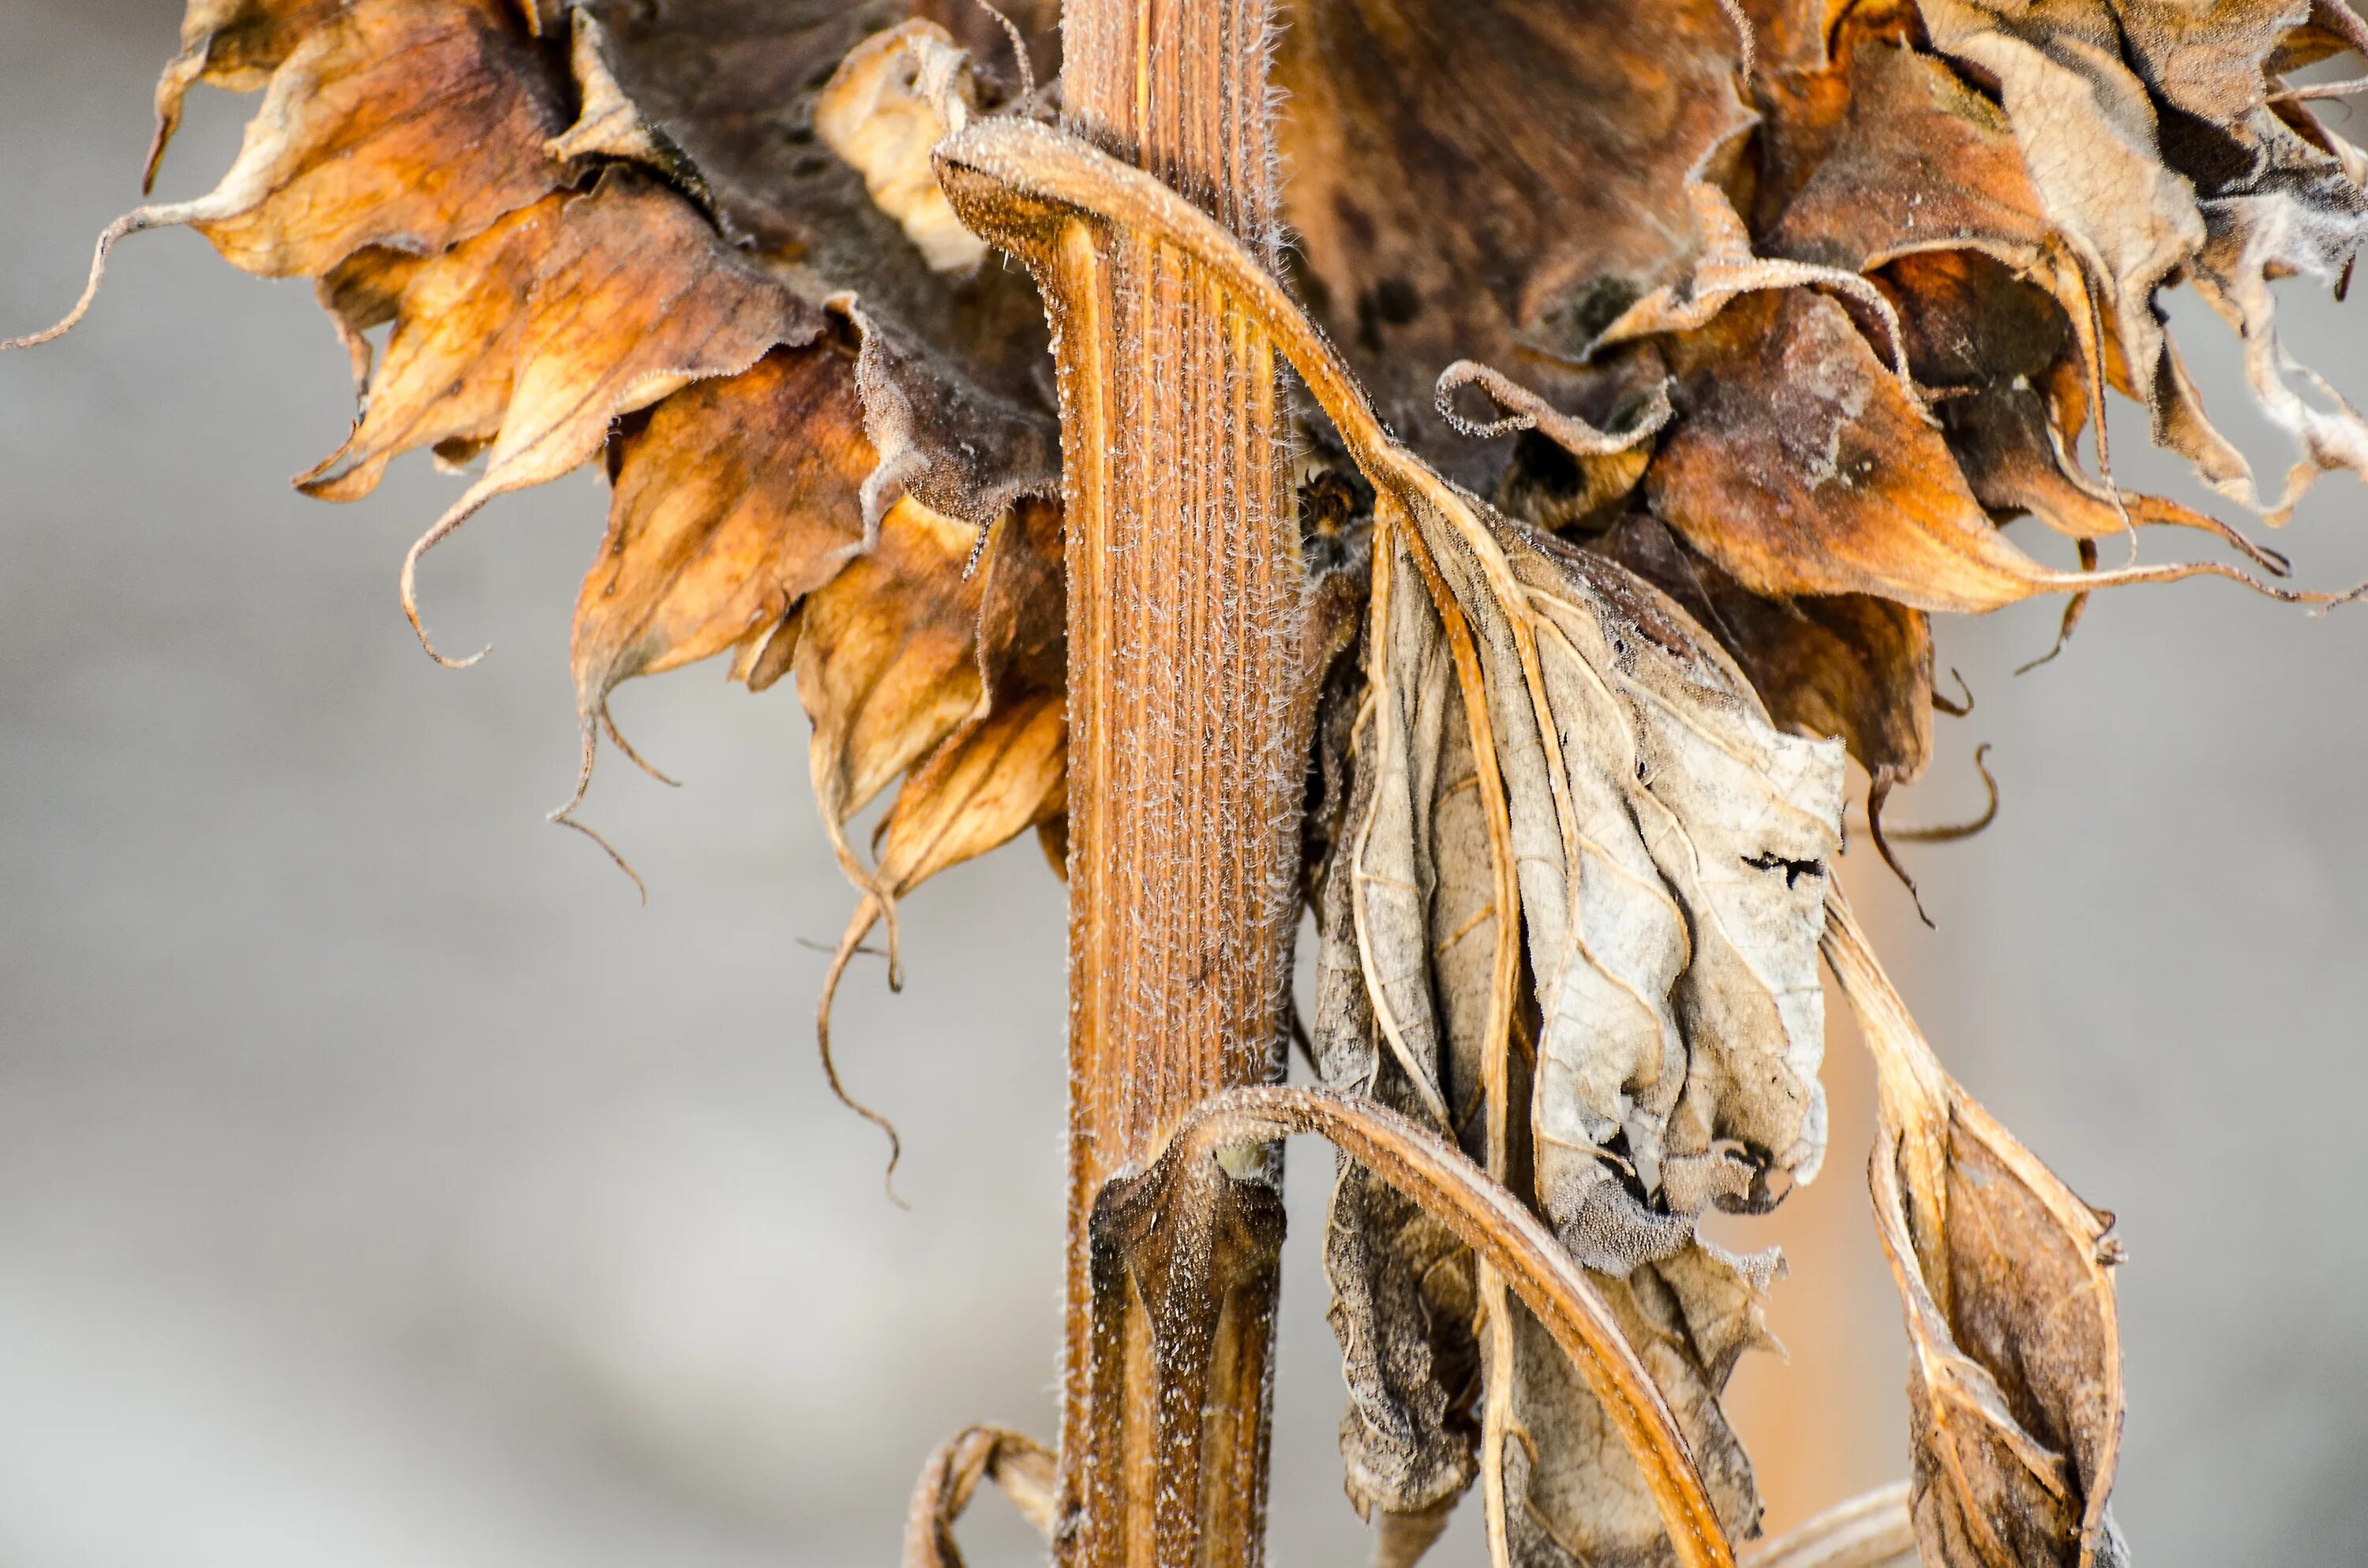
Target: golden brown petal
887,663
232,44
453,354
397,123
735,499
1801,465
635,298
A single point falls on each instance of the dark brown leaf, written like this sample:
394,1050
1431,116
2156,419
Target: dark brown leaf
1492,182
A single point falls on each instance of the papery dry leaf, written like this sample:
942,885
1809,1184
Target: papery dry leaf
887,663
635,298
452,358
892,99
1850,664
1403,1287
398,123
232,44
2016,1384
2150,139
958,447
733,501
1689,1316
1003,769
1469,182
1025,1470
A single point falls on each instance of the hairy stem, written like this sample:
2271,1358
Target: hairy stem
1185,764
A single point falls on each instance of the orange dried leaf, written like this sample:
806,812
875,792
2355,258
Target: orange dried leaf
401,124
232,44
452,358
887,663
735,499
1801,465
636,297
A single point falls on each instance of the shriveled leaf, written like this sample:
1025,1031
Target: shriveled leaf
1025,1470
452,358
887,663
1469,181
2015,1385
892,98
408,124
732,88
1849,664
635,298
1800,464
232,44
1004,769
1689,1317
733,501
959,447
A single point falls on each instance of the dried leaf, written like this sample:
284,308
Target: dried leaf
634,299
892,98
887,664
2015,1388
1492,182
393,123
1004,770
732,88
1850,665
733,502
956,446
232,44
452,358
1801,465
1027,1472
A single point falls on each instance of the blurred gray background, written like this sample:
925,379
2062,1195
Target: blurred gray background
381,1185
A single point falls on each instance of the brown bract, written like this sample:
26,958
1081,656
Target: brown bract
391,123
735,500
2015,1389
1492,182
232,44
634,298
452,360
